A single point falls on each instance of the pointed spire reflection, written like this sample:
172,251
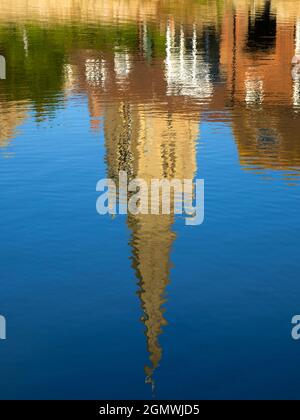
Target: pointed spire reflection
150,146
151,243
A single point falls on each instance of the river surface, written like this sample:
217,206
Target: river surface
144,306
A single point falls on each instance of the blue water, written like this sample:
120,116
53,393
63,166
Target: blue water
70,293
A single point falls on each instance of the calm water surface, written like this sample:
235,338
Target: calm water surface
144,306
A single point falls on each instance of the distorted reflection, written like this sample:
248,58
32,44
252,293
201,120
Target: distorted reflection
151,243
186,71
150,146
262,28
150,70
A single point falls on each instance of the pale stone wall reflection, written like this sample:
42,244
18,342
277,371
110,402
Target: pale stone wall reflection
112,11
12,115
150,146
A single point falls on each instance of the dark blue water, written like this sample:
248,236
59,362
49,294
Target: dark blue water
96,306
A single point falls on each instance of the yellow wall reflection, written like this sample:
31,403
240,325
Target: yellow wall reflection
12,115
150,146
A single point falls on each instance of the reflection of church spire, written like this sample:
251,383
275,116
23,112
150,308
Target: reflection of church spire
150,146
151,242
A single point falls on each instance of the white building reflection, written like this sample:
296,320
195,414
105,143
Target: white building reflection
95,72
296,69
254,89
122,65
187,73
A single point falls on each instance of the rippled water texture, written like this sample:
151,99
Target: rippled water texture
144,306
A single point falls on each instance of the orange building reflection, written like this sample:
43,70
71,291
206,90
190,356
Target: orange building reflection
258,43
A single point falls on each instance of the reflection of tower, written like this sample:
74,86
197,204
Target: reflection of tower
150,133
165,149
151,243
150,146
